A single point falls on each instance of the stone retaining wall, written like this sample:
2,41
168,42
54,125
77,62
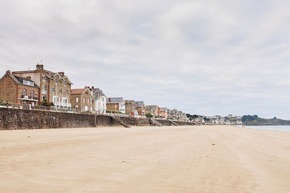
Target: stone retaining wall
26,119
36,119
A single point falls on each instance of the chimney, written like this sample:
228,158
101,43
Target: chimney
61,74
8,72
28,77
39,67
93,87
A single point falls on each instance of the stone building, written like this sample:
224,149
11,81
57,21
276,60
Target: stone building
141,108
153,110
18,91
115,105
175,114
54,87
82,99
131,108
163,113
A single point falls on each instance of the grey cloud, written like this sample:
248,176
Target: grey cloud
200,57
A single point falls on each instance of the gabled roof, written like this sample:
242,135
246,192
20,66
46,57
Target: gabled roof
20,80
98,92
80,91
53,75
140,103
77,91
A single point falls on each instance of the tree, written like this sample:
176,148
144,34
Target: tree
191,117
45,103
149,115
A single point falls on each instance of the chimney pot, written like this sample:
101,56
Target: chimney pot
61,73
39,67
8,72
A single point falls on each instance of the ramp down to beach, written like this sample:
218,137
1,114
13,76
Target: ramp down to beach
184,159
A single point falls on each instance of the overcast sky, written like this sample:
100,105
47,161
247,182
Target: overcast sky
202,57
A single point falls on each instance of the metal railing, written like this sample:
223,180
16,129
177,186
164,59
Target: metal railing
28,97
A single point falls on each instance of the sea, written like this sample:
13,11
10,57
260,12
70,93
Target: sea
271,127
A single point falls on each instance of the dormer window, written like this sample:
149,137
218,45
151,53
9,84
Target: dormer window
27,82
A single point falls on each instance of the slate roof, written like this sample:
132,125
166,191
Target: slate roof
20,80
140,103
114,99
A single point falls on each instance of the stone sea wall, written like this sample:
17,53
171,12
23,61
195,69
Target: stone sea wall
106,121
26,119
132,121
11,119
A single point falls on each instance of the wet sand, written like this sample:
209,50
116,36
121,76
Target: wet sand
191,159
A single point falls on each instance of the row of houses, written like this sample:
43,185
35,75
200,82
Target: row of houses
227,120
36,88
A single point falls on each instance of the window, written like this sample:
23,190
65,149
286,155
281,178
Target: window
60,91
27,82
77,99
52,90
32,93
24,92
84,100
64,101
88,101
43,77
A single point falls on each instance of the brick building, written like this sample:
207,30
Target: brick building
82,99
54,86
18,91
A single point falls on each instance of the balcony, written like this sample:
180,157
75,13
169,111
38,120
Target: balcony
62,104
28,98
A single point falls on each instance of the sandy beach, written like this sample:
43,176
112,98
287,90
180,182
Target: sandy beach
201,159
